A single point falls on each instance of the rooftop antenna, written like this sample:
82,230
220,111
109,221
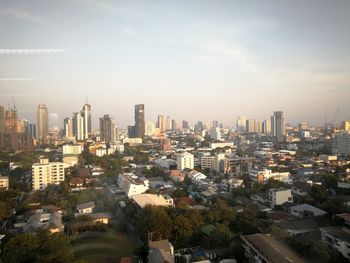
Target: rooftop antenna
86,100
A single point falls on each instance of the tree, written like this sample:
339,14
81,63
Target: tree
182,231
43,247
155,220
21,248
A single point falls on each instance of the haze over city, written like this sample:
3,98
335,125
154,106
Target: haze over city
196,60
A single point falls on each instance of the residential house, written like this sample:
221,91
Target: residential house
337,238
306,210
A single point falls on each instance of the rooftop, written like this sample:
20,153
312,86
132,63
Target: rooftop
149,199
272,249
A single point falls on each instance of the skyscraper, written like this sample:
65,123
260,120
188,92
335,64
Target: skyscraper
241,124
42,123
78,126
108,129
2,119
278,123
140,121
184,124
86,114
68,128
161,123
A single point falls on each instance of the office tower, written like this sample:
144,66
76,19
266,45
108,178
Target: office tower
216,124
31,129
341,143
258,127
2,119
278,123
266,127
346,126
199,126
140,121
42,123
184,124
173,125
150,129
78,126
131,131
251,126
68,128
161,123
86,114
11,121
215,134
241,124
108,129
303,126
169,122
45,173
185,160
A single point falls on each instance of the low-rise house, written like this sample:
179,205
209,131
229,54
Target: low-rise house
306,210
161,251
85,208
337,238
229,185
4,183
280,196
300,188
265,248
132,184
100,218
152,199
41,220
345,217
261,198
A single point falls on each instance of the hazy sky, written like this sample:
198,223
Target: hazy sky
188,59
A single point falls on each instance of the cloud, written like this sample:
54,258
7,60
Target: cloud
21,15
127,31
17,79
105,5
32,51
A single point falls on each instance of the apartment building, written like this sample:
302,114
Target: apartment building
45,173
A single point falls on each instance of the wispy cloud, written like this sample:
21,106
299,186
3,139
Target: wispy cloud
128,31
33,51
107,6
21,15
17,79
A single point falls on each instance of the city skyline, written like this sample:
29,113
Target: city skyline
206,62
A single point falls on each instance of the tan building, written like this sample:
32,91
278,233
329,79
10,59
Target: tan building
16,141
346,126
42,124
45,173
4,183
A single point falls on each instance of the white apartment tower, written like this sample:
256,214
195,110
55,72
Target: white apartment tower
185,160
45,173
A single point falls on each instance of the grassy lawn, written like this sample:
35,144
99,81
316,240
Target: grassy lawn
100,246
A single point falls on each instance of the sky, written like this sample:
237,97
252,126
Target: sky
192,60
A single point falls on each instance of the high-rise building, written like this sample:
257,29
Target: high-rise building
346,126
108,129
2,119
266,127
161,123
42,123
251,126
241,124
140,121
184,124
185,160
173,125
78,126
31,129
86,114
68,128
216,124
150,129
278,123
11,120
303,126
45,173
